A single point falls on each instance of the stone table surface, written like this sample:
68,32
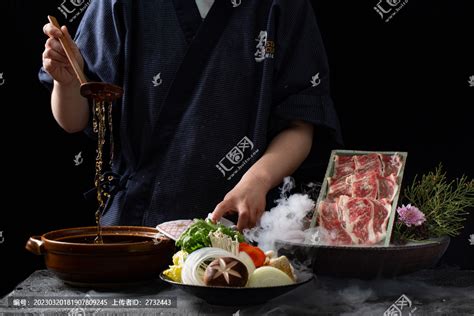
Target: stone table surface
442,291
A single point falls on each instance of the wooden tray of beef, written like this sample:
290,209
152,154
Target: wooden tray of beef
358,199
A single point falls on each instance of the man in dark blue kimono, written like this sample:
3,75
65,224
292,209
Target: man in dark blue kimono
220,101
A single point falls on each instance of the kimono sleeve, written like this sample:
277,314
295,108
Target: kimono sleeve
301,86
100,37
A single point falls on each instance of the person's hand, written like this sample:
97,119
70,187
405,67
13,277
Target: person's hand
55,60
247,198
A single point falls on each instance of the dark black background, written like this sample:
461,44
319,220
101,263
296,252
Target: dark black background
398,86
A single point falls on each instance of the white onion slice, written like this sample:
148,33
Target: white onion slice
195,264
245,258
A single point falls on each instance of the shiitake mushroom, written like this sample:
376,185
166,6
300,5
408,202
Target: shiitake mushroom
226,271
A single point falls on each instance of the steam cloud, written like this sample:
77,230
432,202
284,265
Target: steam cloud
285,222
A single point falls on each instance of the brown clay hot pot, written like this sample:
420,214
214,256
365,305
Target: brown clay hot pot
129,254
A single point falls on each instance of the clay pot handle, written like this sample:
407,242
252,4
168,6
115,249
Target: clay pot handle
35,245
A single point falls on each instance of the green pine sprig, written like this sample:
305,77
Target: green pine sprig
444,203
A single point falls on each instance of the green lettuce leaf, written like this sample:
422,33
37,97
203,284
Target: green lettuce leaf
197,235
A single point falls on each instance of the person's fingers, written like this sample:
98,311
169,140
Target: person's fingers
55,57
244,217
259,213
55,45
221,209
48,65
66,32
51,30
51,65
253,218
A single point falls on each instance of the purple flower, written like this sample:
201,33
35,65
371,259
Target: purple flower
410,215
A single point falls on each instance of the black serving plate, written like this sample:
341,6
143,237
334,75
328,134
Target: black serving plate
368,262
236,296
